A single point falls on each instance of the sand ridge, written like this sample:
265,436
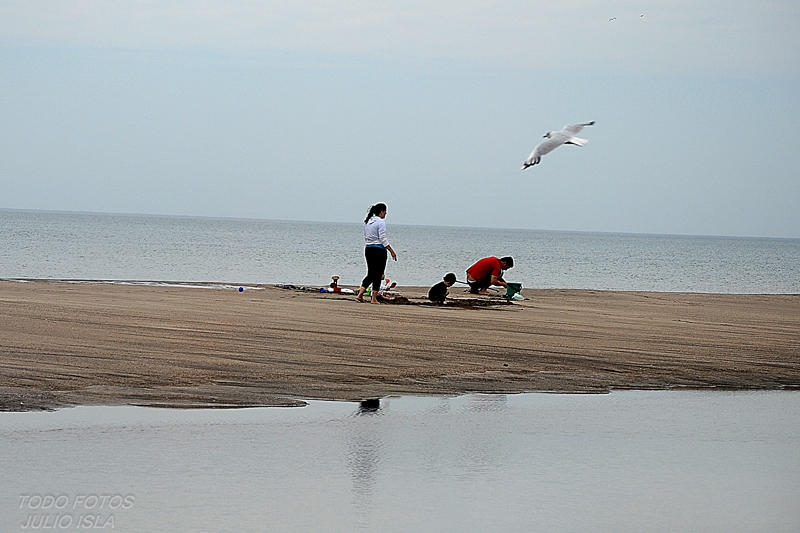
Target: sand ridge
67,344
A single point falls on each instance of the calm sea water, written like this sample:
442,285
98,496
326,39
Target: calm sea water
36,244
661,461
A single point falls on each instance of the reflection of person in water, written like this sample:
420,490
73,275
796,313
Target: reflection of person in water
364,458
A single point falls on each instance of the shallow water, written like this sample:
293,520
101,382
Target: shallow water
627,461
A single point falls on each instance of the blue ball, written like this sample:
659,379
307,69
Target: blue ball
241,289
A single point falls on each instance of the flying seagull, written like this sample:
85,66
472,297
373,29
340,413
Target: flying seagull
556,139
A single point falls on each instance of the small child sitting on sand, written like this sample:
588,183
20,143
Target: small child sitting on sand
439,292
386,286
383,292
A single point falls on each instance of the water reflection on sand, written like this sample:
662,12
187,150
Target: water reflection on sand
628,461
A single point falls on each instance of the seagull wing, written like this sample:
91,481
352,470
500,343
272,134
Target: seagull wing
571,130
544,147
548,145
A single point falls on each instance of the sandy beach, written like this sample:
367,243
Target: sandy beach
66,344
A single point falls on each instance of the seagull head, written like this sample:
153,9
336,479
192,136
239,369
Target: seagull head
548,135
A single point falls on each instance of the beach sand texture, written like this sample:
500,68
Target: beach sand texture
65,344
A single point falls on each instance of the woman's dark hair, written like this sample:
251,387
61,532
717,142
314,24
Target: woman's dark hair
374,210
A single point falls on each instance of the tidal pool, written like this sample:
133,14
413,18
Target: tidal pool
627,461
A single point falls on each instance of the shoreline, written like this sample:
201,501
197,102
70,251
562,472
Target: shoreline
84,342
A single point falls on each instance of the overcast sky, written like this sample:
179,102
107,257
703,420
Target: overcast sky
314,110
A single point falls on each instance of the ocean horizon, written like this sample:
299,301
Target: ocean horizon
130,247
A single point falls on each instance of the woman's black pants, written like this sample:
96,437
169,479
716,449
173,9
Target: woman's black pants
376,266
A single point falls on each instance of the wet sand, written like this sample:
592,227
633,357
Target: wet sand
64,344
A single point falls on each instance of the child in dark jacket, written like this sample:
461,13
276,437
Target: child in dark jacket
439,292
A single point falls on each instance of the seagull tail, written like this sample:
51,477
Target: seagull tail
577,141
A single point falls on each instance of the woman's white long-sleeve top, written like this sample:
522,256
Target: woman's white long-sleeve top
375,232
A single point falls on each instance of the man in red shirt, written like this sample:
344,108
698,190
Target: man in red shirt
486,272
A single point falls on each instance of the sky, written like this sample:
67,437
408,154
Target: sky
315,110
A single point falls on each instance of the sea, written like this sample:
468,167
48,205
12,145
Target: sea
163,249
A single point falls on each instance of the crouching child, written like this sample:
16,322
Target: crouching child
438,293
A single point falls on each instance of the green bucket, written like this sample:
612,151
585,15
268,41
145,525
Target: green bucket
513,288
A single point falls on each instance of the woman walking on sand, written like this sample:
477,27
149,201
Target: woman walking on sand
375,250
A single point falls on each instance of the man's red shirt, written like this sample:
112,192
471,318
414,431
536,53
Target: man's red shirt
484,267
